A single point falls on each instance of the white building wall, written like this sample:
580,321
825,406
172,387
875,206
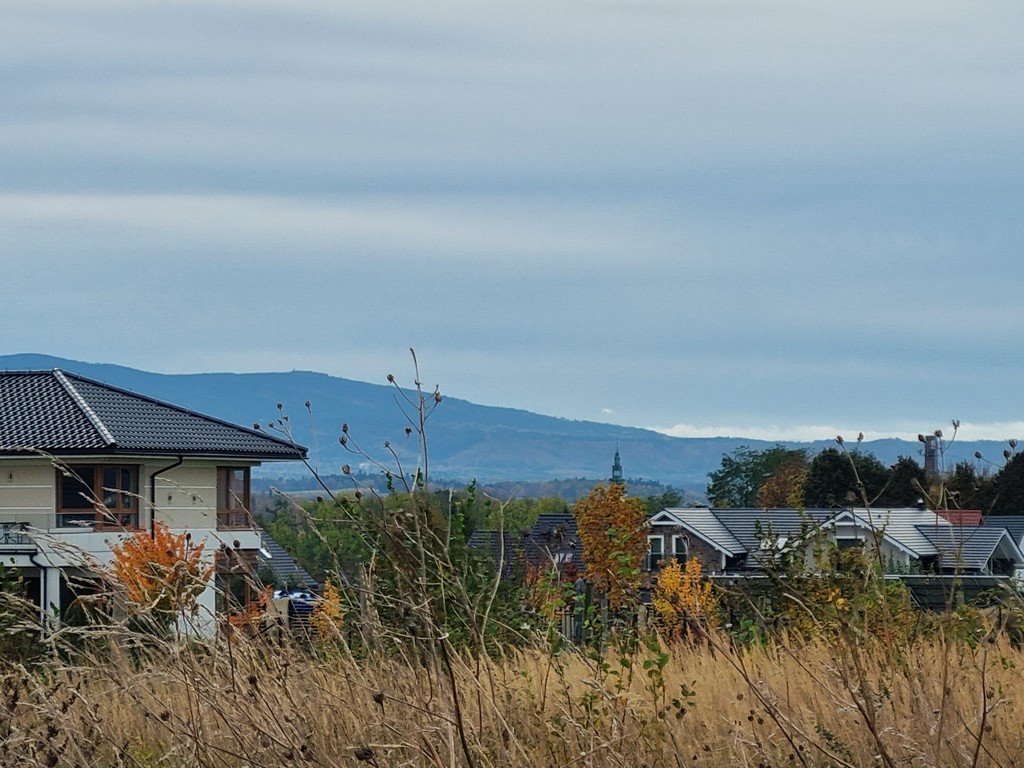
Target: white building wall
186,501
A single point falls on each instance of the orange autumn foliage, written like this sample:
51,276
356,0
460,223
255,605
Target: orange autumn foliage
784,487
613,530
163,573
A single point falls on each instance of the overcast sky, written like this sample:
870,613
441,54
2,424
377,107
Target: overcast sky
775,218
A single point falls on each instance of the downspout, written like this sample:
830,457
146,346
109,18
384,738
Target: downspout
42,585
152,493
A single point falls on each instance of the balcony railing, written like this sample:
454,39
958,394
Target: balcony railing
13,534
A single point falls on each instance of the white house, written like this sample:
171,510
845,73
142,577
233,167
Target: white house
68,442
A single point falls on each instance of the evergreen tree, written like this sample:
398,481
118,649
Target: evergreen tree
1008,487
832,479
905,483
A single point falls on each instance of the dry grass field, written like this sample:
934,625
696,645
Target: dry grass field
248,704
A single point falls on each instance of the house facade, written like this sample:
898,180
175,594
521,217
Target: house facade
84,465
908,541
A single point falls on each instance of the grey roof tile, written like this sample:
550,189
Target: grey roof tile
63,413
283,565
1013,523
971,546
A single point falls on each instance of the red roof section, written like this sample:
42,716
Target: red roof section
961,516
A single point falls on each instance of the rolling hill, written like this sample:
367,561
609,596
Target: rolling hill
466,440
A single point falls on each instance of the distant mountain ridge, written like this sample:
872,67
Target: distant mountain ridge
466,440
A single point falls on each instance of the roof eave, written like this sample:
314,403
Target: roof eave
115,451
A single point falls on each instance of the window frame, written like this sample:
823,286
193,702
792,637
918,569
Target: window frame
685,553
103,516
227,517
653,558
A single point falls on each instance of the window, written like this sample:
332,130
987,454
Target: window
103,495
235,581
233,498
680,549
655,551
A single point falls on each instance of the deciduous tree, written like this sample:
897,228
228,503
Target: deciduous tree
613,530
682,596
784,487
741,475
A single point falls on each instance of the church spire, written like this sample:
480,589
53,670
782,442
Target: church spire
616,477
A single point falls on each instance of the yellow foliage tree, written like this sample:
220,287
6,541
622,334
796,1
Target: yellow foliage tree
163,573
613,531
784,487
329,615
681,596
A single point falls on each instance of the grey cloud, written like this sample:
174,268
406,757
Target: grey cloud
738,212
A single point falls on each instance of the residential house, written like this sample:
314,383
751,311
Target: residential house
552,542
911,540
1014,524
84,464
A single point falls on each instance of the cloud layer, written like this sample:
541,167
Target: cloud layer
656,212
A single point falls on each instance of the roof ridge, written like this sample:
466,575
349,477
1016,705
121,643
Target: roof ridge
259,433
80,401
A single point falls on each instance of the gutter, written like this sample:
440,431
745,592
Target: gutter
152,493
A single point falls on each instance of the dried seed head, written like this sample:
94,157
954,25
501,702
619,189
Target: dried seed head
346,469
363,753
391,378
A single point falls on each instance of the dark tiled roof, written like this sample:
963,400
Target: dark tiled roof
970,546
504,545
1013,523
62,413
283,565
750,526
554,538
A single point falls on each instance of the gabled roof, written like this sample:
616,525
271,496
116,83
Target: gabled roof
1013,523
902,526
972,547
702,523
917,532
751,526
66,414
554,533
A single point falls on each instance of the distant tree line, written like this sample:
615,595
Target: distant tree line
841,477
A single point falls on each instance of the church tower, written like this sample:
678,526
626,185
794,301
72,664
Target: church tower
616,477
